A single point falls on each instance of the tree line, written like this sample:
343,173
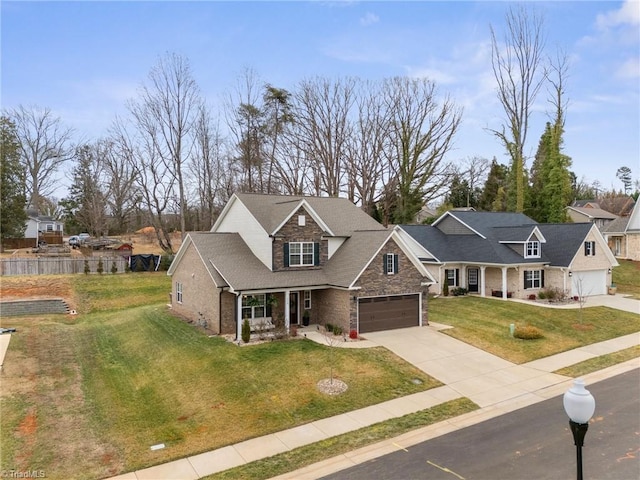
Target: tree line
172,163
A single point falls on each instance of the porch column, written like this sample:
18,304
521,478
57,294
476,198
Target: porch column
463,281
287,312
238,317
504,282
482,286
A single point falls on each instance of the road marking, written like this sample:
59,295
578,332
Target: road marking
445,469
401,448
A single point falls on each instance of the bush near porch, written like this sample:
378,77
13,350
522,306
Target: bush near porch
86,396
484,323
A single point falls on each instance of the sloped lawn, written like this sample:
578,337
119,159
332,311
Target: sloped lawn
87,396
626,277
484,323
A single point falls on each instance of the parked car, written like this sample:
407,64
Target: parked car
84,237
74,241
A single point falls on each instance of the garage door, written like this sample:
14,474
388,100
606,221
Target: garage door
386,313
588,283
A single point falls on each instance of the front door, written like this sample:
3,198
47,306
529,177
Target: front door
472,279
293,308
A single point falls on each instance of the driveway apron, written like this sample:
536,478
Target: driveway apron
480,376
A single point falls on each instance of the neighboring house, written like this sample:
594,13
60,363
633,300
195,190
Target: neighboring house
620,206
274,257
623,236
43,227
425,213
599,217
510,255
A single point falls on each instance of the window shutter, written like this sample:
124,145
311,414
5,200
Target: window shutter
457,277
384,264
586,251
541,278
593,248
525,279
316,254
395,264
285,249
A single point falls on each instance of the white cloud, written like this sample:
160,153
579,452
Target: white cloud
369,19
628,14
629,69
440,77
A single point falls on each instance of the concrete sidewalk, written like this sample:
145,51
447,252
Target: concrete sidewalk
5,338
496,385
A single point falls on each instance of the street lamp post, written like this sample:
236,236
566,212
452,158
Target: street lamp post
579,405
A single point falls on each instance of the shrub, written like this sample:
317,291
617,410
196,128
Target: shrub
100,268
328,327
246,331
337,330
459,291
542,295
87,269
114,268
528,332
353,335
445,289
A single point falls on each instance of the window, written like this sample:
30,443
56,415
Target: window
390,263
49,227
301,254
307,299
590,249
253,306
533,279
178,292
452,276
302,220
532,250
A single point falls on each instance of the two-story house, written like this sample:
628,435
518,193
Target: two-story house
279,256
511,255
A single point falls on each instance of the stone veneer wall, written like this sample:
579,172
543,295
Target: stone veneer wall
374,282
331,306
292,232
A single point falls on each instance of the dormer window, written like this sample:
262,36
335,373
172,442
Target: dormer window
390,264
532,250
590,249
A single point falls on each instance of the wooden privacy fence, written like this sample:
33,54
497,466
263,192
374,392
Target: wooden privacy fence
60,265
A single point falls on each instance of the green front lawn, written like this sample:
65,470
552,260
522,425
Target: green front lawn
484,323
627,278
87,396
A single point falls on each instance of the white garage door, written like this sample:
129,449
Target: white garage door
588,283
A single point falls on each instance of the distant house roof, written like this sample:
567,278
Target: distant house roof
594,213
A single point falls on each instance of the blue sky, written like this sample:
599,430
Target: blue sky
84,60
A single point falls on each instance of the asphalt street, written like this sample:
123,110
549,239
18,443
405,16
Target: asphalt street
533,443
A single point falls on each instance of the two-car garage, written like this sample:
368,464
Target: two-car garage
388,312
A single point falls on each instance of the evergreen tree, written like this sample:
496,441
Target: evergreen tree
493,195
551,188
13,198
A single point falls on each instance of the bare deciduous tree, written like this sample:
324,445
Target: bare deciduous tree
422,129
517,69
165,115
321,111
45,146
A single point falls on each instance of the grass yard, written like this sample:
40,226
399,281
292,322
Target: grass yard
86,396
598,363
484,323
627,278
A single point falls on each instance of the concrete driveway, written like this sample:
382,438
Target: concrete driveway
484,378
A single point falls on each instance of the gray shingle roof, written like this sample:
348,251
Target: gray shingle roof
619,225
339,214
562,240
231,262
596,213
